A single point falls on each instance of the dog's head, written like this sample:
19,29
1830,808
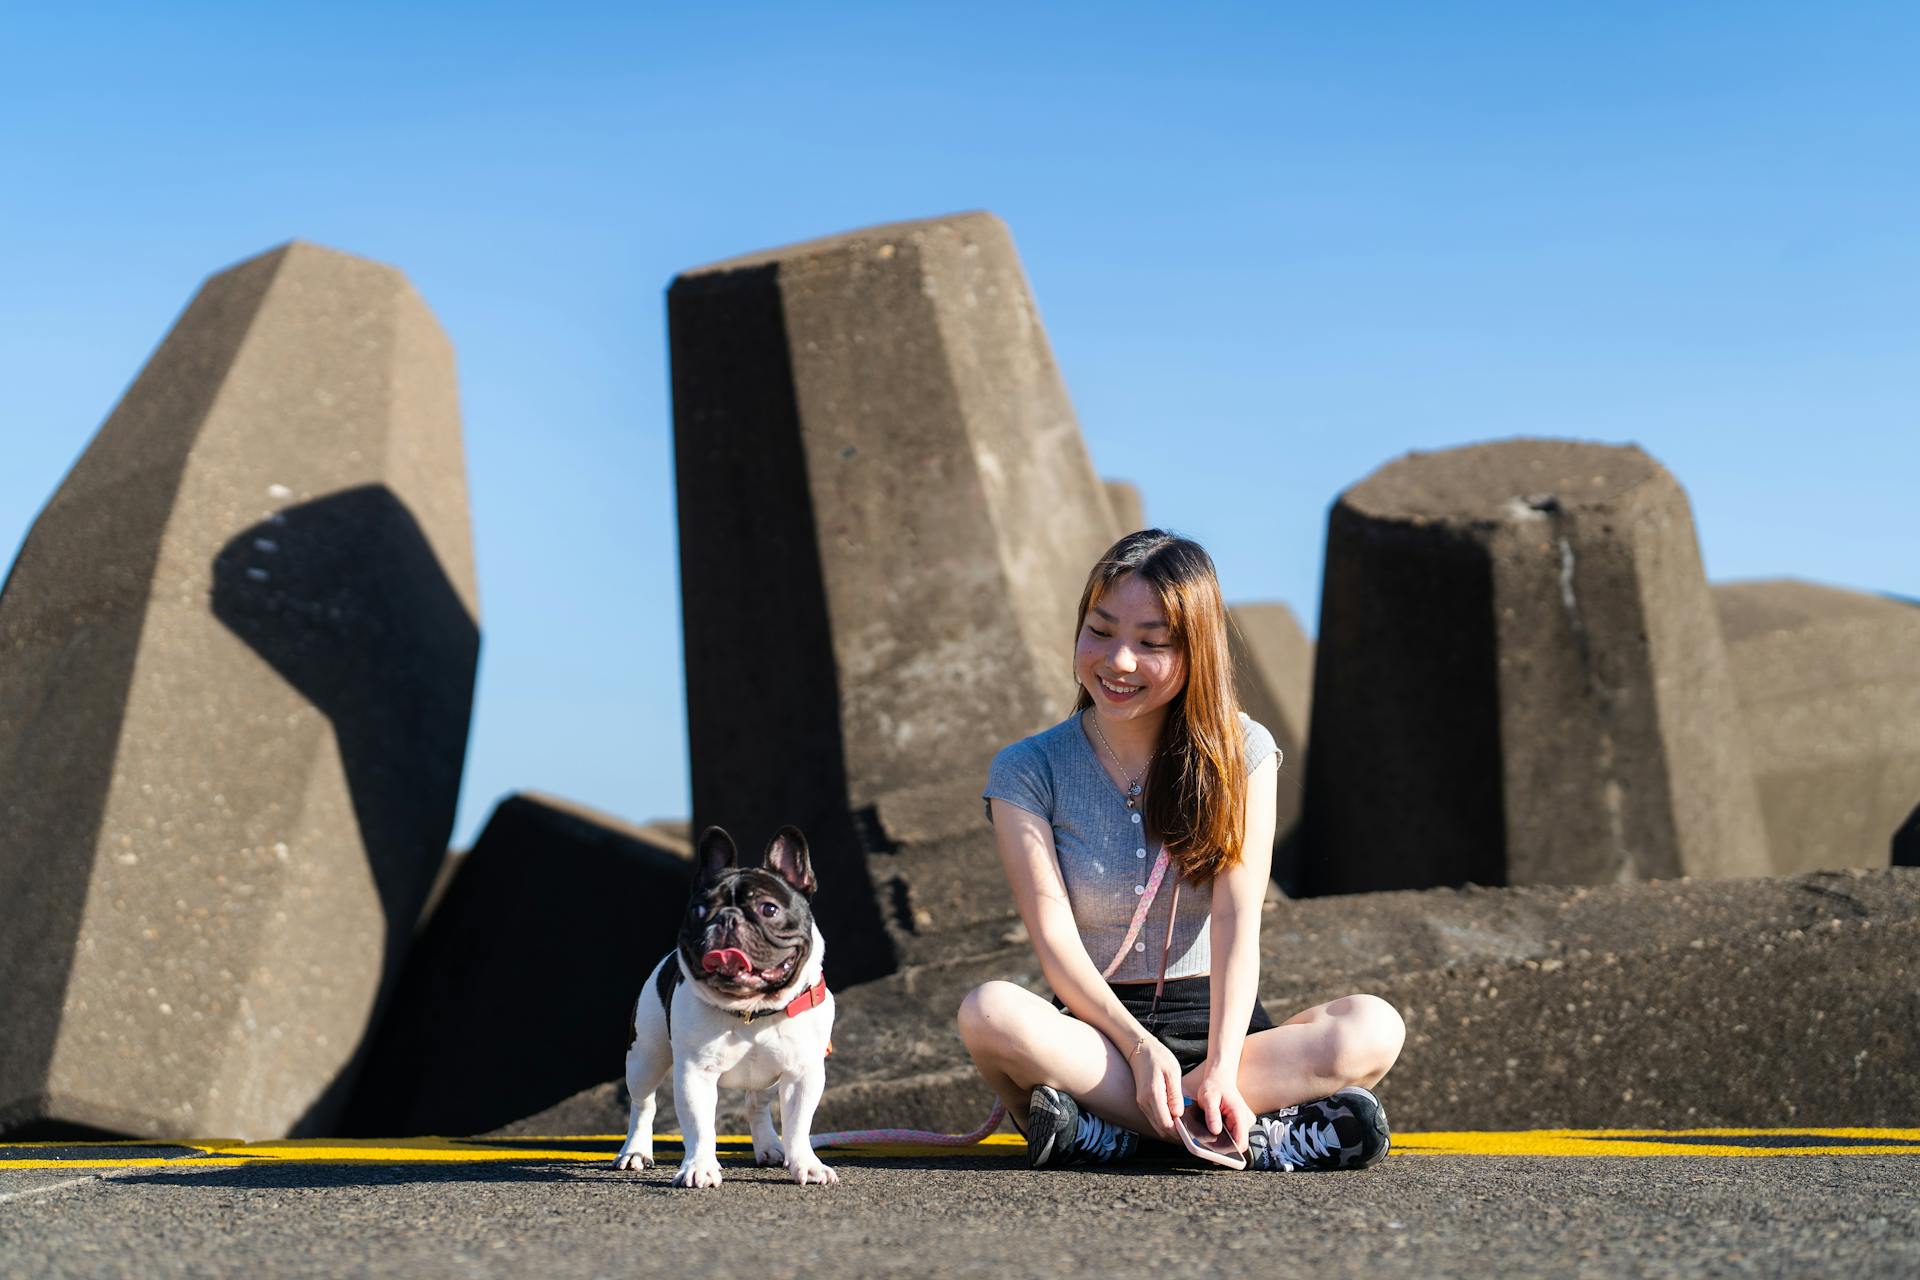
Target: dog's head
749,930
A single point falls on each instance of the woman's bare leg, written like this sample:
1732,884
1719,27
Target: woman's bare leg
1352,1040
1018,1040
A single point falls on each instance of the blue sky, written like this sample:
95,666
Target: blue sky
1274,246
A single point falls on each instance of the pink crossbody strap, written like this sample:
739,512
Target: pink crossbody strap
1154,880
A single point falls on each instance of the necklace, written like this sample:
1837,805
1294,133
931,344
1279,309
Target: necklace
1133,783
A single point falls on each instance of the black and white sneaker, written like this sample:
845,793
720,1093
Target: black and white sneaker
1060,1133
1345,1131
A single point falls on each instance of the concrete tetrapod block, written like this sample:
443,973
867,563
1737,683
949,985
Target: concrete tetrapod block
1273,668
501,1010
240,645
1520,679
886,517
1830,684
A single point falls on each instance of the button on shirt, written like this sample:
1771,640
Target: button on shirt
1057,775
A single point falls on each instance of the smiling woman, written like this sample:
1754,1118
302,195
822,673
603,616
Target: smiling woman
1157,770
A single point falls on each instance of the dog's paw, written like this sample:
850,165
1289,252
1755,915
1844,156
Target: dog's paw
811,1170
698,1173
770,1156
633,1160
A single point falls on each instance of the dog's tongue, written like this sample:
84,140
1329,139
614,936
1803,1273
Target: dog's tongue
732,962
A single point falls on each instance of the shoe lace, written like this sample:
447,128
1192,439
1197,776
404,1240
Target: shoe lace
1100,1139
1294,1143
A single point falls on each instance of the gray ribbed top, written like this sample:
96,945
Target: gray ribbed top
1104,856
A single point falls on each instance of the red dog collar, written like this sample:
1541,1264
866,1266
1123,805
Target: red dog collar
813,997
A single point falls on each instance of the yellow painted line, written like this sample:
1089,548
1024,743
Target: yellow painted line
412,1151
22,1155
204,1144
600,1148
119,1164
1663,1142
592,1149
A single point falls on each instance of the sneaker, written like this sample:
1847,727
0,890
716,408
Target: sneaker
1345,1131
1060,1133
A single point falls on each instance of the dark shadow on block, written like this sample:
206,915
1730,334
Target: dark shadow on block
1396,688
60,1131
301,1175
519,990
1906,842
753,598
346,599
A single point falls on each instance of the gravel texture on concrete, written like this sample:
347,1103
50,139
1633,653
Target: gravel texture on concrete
1410,1217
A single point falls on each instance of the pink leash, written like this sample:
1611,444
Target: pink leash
916,1137
927,1138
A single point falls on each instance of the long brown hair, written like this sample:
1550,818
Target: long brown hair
1196,786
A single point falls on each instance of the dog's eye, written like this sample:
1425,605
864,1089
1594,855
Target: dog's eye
767,909
700,912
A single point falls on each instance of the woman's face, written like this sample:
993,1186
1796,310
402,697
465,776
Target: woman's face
1126,658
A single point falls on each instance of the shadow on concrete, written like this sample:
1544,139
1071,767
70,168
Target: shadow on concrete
761,639
480,1034
1290,850
1906,842
346,599
1382,811
275,1175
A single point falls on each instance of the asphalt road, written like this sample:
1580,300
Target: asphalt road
1414,1216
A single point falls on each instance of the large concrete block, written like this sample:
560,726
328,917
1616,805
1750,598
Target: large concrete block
239,647
1520,679
1830,684
1273,668
886,517
501,1011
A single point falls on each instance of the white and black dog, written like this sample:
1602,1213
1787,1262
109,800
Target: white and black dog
739,1003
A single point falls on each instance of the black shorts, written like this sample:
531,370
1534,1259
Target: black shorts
1180,1021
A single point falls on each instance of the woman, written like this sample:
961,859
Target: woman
1156,1017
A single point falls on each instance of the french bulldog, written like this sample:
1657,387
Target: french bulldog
741,1003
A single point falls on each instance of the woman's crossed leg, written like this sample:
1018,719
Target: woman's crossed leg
1019,1041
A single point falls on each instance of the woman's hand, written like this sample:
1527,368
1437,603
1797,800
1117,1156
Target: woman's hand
1156,1085
1215,1090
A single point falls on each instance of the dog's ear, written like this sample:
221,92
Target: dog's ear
717,853
788,858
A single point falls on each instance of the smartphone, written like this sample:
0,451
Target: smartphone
1215,1147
